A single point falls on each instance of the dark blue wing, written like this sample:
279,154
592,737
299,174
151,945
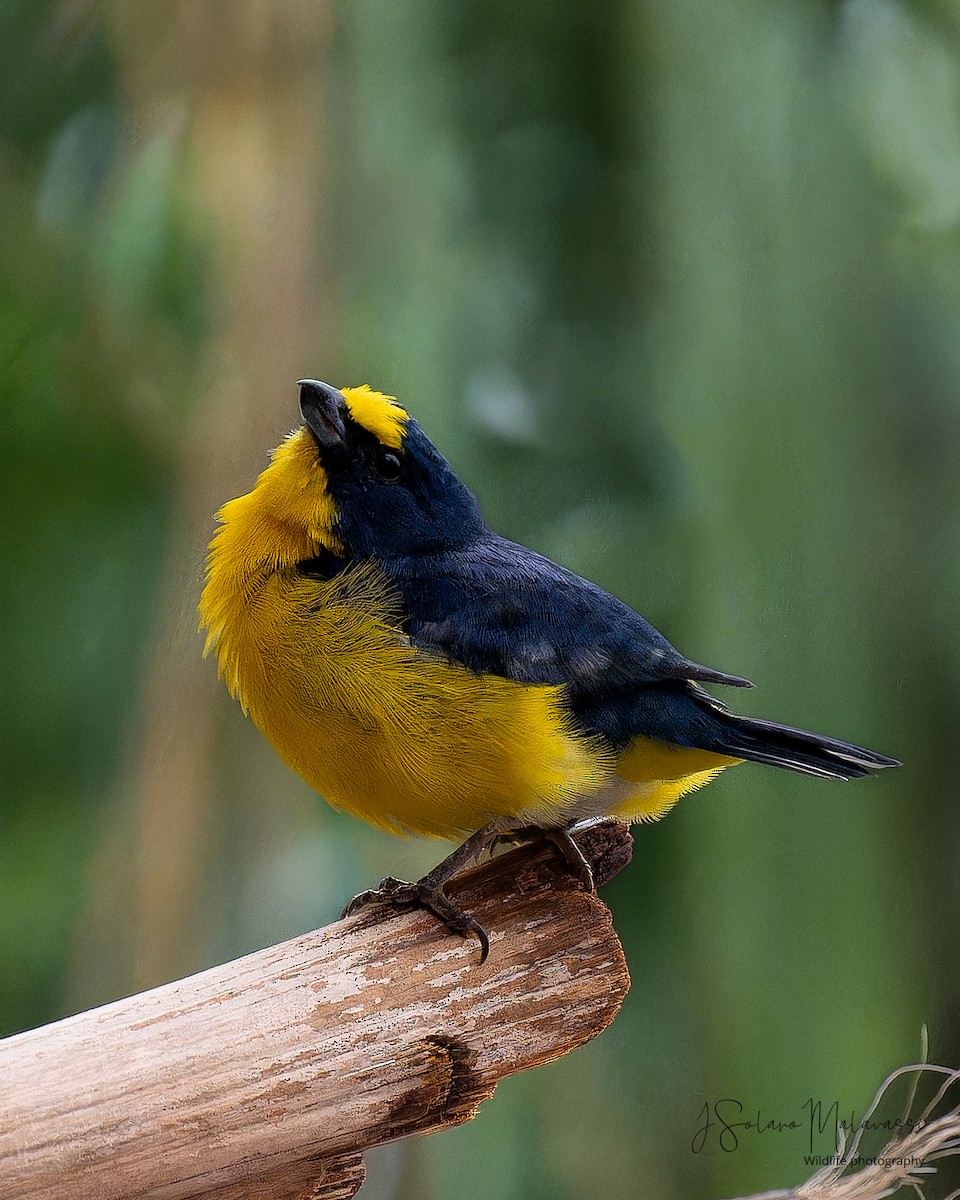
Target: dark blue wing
499,608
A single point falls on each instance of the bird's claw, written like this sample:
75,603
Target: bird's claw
395,892
401,895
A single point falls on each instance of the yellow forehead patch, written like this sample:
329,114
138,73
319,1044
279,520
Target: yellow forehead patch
379,414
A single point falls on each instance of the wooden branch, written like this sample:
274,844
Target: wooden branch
270,1075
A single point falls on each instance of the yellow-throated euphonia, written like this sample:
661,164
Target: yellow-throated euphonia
429,676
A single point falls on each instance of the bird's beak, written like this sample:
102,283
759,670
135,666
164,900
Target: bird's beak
322,407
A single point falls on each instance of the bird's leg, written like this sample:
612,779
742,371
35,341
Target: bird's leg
562,839
564,842
429,893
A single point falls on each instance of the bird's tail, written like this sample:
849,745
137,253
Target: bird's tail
793,749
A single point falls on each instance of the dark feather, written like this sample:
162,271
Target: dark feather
497,606
796,749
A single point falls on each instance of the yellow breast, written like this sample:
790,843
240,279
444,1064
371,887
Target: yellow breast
403,739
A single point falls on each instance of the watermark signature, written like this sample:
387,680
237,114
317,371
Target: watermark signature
727,1122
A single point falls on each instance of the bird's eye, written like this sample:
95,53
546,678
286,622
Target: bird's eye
387,465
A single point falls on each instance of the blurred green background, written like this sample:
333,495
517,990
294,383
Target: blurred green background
676,286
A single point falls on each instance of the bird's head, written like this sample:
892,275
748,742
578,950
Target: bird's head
358,479
389,489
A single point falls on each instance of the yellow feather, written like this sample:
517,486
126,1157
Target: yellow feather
662,774
287,517
379,414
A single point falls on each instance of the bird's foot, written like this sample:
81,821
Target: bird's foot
400,895
429,893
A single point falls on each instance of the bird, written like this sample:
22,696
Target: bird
431,677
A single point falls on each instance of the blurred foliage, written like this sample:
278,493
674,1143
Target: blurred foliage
676,286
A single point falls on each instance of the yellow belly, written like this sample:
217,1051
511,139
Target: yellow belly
402,739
